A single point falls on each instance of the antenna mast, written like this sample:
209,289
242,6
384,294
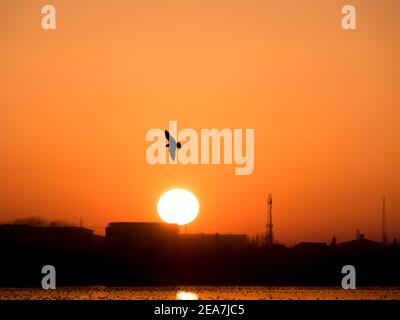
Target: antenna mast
269,236
384,234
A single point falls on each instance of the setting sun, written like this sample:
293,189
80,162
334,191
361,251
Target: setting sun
178,206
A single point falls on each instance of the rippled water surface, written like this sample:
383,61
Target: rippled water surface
200,292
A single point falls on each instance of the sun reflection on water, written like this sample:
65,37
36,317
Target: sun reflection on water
185,295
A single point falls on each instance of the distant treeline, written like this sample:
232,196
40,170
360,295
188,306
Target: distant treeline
37,221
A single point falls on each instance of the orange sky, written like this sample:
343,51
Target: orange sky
76,104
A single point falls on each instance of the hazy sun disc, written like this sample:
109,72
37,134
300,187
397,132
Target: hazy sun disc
178,206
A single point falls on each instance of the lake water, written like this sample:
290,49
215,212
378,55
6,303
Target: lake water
201,292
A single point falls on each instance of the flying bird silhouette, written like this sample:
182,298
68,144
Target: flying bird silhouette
172,144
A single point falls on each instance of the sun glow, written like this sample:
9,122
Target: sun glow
178,206
185,295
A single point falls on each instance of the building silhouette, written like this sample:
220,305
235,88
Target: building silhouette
145,235
204,240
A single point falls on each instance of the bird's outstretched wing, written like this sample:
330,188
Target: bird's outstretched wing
171,144
170,138
172,152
